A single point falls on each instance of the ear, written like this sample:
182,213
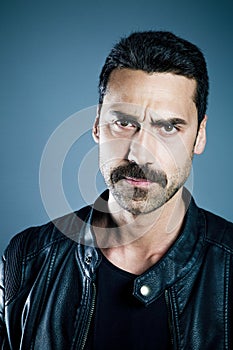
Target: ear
201,137
95,129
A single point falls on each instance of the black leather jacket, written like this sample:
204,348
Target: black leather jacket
48,285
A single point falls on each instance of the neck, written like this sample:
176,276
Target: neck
134,243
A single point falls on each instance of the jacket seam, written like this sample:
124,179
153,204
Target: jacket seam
219,245
81,314
52,259
176,316
26,259
32,255
8,301
226,294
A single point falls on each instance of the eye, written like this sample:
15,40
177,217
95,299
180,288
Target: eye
125,124
169,129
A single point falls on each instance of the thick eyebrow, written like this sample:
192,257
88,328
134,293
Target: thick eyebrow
154,122
170,121
123,115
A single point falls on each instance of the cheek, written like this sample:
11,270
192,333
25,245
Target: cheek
112,150
174,155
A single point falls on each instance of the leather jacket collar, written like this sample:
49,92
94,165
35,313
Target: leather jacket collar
175,264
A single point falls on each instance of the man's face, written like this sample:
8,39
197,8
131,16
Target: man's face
147,134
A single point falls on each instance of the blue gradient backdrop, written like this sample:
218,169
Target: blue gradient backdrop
51,55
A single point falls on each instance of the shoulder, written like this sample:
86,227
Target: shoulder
219,231
34,239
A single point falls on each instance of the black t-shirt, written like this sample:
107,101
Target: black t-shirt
121,321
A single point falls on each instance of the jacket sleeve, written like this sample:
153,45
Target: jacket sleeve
2,326
3,336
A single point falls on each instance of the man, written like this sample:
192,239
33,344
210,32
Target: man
144,267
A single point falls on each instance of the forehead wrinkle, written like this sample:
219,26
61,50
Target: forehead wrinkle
118,93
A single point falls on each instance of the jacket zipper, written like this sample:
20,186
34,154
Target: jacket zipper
89,318
169,316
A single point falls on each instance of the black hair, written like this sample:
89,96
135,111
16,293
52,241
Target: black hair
160,52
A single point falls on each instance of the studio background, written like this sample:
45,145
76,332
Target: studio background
51,55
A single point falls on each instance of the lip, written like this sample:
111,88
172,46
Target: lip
138,182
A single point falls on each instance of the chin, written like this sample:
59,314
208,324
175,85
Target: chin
138,206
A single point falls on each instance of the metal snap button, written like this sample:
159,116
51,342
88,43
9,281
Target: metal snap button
88,259
145,290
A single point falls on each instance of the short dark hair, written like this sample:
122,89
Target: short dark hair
160,52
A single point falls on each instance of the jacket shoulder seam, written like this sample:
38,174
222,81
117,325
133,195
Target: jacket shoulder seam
43,247
219,245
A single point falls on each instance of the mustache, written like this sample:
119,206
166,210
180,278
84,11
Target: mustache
136,171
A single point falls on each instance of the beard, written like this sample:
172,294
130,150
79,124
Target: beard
143,199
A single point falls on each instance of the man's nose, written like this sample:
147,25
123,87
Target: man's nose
142,147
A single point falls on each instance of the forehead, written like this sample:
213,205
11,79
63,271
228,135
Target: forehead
156,91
